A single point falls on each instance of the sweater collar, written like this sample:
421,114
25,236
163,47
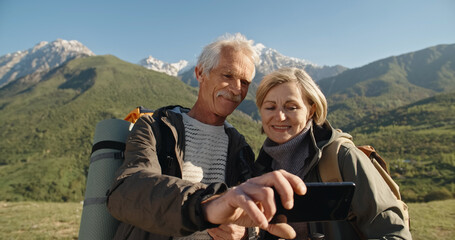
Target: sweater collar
290,155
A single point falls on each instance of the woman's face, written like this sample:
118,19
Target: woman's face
284,112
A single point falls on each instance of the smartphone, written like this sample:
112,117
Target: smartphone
322,202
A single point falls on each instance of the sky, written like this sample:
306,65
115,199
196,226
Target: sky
351,33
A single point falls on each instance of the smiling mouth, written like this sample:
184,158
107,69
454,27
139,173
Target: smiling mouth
281,127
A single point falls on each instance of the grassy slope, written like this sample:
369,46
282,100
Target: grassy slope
433,220
418,141
41,220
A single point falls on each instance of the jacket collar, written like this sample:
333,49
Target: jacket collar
320,137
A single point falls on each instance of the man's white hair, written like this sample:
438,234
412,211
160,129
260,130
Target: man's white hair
210,55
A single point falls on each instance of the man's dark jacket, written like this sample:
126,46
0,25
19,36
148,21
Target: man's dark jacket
150,199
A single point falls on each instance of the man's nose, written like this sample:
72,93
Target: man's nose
236,87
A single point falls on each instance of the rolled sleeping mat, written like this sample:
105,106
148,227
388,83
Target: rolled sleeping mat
106,157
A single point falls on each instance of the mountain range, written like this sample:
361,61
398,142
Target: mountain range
270,60
390,83
403,105
45,56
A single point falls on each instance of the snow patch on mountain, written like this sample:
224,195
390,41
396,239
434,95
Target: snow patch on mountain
171,69
270,60
42,57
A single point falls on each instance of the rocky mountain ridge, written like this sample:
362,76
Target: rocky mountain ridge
44,56
269,60
171,69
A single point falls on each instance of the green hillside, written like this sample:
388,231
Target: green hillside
419,142
49,125
389,83
403,106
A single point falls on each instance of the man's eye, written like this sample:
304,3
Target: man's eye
245,83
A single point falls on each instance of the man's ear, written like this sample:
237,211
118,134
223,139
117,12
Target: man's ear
198,73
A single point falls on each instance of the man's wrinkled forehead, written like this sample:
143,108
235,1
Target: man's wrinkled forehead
232,61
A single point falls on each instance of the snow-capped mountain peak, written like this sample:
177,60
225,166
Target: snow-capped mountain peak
42,57
270,60
259,47
171,69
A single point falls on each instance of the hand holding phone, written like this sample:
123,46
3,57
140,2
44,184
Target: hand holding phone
322,202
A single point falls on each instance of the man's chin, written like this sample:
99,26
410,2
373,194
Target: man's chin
225,112
229,106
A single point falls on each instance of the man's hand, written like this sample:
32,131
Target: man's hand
253,202
227,231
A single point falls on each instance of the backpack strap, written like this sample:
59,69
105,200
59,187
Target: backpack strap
330,173
329,170
380,165
373,155
166,149
329,159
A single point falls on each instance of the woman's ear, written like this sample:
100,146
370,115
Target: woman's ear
312,111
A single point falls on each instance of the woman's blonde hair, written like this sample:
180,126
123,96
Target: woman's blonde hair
305,83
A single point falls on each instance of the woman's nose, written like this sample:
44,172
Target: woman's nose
280,115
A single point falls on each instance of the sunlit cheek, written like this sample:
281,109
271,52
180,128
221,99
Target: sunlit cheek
265,119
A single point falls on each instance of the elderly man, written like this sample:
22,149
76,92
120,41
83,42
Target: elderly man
180,163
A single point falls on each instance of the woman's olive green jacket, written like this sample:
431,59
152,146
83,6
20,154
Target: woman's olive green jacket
377,214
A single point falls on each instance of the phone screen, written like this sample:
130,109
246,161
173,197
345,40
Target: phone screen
322,202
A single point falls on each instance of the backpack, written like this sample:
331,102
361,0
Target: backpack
106,157
136,113
330,171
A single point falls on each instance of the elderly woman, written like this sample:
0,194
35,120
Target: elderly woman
293,111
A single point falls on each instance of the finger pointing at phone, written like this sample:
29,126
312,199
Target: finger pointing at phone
253,203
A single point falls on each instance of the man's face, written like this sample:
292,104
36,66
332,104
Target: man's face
226,85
